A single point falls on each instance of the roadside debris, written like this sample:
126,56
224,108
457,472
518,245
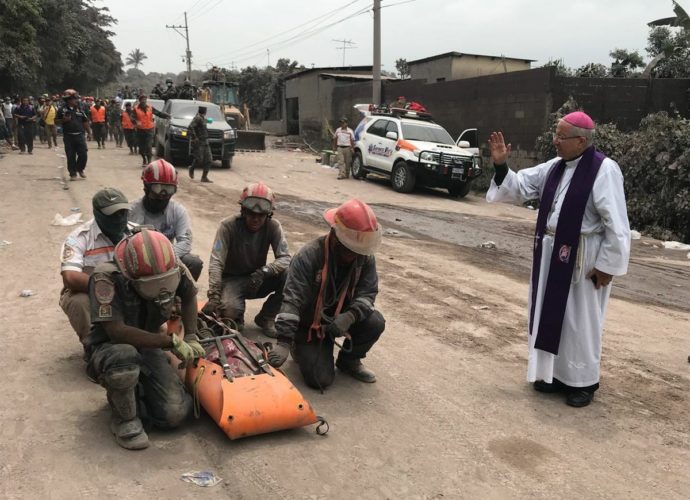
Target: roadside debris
635,235
26,293
488,244
480,308
201,478
675,245
70,220
75,209
5,243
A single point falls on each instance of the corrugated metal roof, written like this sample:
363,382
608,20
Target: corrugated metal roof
354,76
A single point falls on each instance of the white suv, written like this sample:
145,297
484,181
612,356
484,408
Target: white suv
411,149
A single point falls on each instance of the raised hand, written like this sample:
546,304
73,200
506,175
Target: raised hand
498,148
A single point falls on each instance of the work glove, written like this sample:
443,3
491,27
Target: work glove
184,351
193,342
256,279
341,324
278,355
211,307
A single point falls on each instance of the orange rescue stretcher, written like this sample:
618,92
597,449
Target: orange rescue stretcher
240,391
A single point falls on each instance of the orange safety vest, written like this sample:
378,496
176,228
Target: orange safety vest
98,115
127,121
144,119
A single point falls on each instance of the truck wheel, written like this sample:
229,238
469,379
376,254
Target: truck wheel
459,190
167,155
226,162
358,171
403,178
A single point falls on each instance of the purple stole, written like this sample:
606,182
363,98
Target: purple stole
567,240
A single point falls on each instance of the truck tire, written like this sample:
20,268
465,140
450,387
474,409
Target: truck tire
167,155
358,171
459,190
403,179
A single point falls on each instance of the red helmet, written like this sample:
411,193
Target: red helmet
355,226
159,172
258,198
70,93
147,259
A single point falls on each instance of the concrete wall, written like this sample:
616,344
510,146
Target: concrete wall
473,66
432,71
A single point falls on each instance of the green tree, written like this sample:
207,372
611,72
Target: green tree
20,57
592,70
403,68
668,44
136,58
625,62
561,68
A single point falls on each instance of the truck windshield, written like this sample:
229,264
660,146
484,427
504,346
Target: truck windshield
189,112
224,94
428,133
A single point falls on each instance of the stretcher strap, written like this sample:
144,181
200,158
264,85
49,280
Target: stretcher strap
195,390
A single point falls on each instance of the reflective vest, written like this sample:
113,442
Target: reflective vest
127,121
98,115
144,119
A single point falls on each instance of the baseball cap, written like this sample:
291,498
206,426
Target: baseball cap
110,200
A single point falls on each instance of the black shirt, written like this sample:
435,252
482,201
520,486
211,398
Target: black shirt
78,118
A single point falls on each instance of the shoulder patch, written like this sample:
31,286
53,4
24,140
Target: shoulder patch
67,253
217,245
105,311
104,289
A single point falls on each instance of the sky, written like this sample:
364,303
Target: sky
256,32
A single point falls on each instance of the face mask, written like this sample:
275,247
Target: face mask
155,206
113,226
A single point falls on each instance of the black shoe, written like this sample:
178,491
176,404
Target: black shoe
356,369
579,398
267,325
206,179
541,386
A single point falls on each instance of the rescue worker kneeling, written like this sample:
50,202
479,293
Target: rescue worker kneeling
330,292
238,269
131,297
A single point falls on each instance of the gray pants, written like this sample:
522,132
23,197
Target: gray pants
202,158
344,162
145,143
234,295
315,358
76,307
162,397
194,264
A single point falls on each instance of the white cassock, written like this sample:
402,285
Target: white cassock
604,244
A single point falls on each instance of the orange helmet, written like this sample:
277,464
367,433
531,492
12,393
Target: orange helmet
257,198
147,259
355,226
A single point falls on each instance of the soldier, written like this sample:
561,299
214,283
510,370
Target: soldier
131,298
201,150
330,291
238,270
187,91
170,91
114,117
157,92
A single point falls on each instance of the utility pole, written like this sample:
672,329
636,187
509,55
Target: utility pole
185,35
268,57
376,74
347,45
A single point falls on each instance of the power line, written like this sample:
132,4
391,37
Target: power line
326,15
302,36
347,45
185,35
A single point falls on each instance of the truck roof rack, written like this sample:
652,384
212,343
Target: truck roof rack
401,113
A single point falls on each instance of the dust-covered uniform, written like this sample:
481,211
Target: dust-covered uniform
175,224
237,253
162,397
201,150
315,356
85,248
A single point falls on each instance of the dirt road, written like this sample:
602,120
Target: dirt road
451,415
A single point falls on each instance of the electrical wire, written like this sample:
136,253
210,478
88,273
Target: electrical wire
243,50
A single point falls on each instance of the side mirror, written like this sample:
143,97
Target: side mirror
392,135
464,144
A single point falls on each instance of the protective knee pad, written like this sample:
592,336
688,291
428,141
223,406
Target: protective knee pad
122,378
